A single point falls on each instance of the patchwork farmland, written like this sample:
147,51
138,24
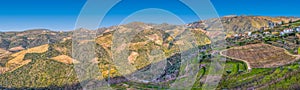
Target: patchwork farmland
260,55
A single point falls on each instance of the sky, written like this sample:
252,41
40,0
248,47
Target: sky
19,15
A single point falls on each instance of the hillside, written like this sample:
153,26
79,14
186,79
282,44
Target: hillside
17,41
241,24
142,45
152,44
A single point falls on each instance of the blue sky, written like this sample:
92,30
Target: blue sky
18,15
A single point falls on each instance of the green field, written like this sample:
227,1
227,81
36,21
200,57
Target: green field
281,77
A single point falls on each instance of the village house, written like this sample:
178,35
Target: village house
297,29
236,35
255,36
272,25
266,33
249,33
282,33
286,31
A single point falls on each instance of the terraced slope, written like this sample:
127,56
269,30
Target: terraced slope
261,55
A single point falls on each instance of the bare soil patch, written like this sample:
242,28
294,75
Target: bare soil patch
64,59
18,57
260,55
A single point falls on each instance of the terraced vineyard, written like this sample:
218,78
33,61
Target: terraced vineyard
260,55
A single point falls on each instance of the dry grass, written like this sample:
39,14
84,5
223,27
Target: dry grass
3,69
20,64
18,61
260,55
155,38
105,41
63,50
4,53
64,59
107,70
38,49
132,57
298,35
19,48
65,39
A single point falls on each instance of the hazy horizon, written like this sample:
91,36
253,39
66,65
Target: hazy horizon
60,15
66,30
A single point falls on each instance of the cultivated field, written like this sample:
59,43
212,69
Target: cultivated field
260,55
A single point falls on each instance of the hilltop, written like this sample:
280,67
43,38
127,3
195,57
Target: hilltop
241,24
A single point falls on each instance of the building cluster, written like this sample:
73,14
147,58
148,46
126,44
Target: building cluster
290,30
272,24
255,35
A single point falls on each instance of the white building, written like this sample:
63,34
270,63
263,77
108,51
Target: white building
282,33
249,33
236,35
287,31
266,33
298,29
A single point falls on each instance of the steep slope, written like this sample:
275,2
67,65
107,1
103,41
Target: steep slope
40,74
150,37
54,67
18,59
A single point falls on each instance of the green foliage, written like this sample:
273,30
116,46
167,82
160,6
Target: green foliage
298,50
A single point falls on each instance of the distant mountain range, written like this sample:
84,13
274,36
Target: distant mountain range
241,24
15,41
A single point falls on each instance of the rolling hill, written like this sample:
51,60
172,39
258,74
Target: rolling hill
138,44
152,44
241,24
